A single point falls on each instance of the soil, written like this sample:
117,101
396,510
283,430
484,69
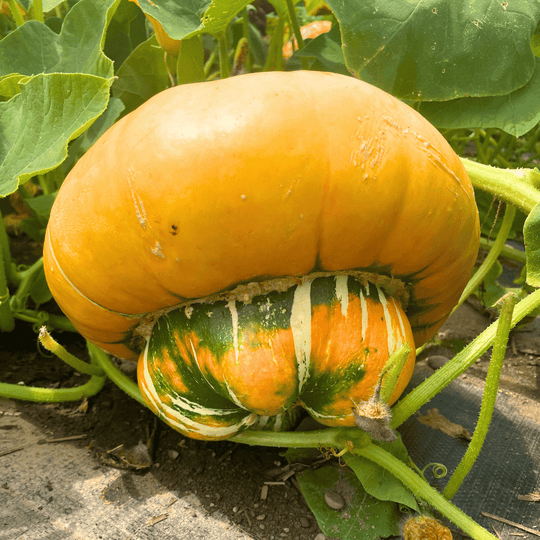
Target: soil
226,477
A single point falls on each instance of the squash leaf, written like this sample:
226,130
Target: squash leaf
327,51
439,49
142,75
363,517
531,232
34,48
179,18
51,110
516,113
58,84
378,482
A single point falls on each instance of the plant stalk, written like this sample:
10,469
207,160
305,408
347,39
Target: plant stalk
506,184
492,257
16,14
423,490
118,377
224,56
428,389
488,399
297,32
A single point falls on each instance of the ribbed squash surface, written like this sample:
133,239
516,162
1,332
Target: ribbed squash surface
259,176
211,369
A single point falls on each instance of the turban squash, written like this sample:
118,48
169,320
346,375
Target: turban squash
273,237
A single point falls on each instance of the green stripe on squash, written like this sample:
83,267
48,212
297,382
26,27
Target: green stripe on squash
212,369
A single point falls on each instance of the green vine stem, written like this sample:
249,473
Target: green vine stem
423,490
14,8
57,395
425,391
7,323
38,10
488,399
53,346
224,56
296,32
117,376
40,318
246,33
507,251
5,253
509,185
52,395
492,256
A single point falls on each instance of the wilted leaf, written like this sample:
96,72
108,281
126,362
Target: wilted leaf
434,419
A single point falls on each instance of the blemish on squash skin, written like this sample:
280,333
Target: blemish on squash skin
140,212
157,251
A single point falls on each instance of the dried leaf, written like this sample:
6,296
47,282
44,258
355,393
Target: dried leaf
436,420
530,497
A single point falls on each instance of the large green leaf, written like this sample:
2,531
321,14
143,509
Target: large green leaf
37,124
531,232
179,18
515,113
362,518
34,48
142,75
378,482
439,49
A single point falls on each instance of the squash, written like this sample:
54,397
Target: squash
220,198
308,31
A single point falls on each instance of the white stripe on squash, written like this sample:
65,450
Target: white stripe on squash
301,329
342,293
184,423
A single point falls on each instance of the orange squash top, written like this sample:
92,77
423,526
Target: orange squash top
209,185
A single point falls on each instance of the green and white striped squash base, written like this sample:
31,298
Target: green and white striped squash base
212,369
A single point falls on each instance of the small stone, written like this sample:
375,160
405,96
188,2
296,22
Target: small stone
264,493
306,524
436,361
173,454
286,529
261,526
235,509
261,517
256,505
320,536
334,500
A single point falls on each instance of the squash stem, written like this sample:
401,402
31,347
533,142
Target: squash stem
488,399
7,323
118,377
53,346
492,257
38,10
297,32
52,395
17,16
423,490
224,56
507,251
425,391
513,186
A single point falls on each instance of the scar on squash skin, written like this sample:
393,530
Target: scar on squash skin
140,212
373,416
156,250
